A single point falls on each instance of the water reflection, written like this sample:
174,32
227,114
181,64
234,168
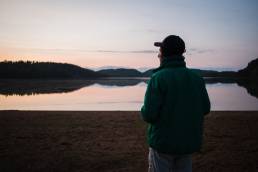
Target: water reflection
251,87
33,87
112,94
12,87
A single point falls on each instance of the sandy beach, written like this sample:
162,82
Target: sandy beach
65,141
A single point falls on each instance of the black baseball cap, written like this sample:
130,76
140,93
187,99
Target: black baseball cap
172,44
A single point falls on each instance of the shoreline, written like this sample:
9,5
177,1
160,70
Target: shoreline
116,141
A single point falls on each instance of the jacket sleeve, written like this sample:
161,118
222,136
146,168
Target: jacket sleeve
205,100
152,101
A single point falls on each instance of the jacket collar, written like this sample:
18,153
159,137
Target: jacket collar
171,62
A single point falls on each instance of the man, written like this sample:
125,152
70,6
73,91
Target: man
175,103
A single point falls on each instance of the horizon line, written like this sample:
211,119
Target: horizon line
141,69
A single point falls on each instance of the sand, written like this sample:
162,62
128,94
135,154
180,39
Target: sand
67,141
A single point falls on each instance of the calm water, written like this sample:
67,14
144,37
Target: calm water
122,94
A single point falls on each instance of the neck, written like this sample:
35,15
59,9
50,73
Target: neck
172,58
171,62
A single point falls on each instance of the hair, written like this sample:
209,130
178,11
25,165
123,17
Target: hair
173,45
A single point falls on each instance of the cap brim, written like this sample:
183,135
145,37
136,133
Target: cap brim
157,44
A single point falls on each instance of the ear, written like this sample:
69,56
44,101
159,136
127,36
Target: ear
160,50
160,53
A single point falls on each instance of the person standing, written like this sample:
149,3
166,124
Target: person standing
175,104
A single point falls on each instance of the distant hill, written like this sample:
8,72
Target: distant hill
147,73
251,71
212,73
250,75
28,69
121,72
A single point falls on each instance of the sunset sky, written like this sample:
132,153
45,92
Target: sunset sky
94,33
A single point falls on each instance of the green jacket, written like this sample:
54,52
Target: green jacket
175,103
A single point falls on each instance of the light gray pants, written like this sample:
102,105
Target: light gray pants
160,162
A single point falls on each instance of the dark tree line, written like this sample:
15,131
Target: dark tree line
34,69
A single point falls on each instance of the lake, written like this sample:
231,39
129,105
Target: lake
107,94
